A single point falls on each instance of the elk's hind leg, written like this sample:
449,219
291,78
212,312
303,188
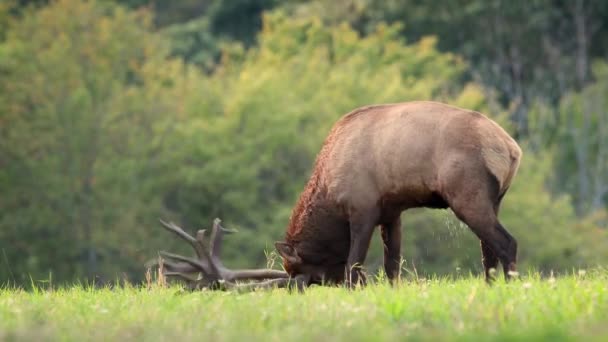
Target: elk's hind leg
475,200
496,242
489,261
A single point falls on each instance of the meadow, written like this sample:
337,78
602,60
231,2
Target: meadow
561,308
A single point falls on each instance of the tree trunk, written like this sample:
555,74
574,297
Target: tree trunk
582,39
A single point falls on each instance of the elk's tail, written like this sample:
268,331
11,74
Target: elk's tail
502,156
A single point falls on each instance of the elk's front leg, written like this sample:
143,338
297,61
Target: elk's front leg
361,230
391,238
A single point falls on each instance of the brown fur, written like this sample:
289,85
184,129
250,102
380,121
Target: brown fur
378,161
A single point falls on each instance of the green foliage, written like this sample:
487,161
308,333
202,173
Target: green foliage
549,232
583,136
194,42
577,130
4,19
567,308
198,29
170,12
77,142
238,19
102,131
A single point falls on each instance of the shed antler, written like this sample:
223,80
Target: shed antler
207,270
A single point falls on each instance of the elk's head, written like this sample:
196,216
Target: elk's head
316,271
292,262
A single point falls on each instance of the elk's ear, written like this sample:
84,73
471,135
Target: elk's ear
287,252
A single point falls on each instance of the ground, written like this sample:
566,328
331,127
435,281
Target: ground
572,307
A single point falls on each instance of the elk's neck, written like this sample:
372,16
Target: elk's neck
316,220
314,215
304,209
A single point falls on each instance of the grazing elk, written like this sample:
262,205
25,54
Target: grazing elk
376,162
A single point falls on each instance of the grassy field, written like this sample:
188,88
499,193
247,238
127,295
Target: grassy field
572,307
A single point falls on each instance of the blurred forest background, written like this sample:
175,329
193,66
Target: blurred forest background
116,113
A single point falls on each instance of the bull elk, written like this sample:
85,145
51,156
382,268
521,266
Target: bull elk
377,162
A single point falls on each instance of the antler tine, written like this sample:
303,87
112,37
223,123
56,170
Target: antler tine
299,282
216,240
179,267
200,265
173,266
200,236
255,274
204,263
172,227
209,265
215,246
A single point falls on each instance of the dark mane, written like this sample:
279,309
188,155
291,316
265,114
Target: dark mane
303,208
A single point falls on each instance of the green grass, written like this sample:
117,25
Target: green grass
572,307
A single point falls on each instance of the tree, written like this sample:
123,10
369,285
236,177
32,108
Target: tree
75,135
583,136
199,29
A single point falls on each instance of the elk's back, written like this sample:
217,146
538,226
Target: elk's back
399,149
